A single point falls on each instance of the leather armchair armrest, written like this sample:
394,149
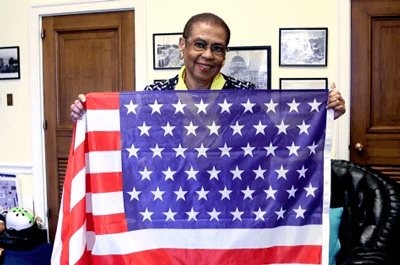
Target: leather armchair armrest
366,256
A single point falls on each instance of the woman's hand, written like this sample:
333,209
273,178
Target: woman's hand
77,109
336,102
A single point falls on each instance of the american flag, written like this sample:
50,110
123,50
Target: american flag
198,177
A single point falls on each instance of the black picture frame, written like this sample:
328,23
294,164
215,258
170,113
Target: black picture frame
249,63
9,63
303,83
303,46
166,51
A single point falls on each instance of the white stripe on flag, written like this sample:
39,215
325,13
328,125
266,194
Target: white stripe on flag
100,162
103,120
90,238
148,239
78,188
107,203
80,133
88,202
56,255
77,245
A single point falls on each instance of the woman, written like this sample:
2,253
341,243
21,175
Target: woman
203,48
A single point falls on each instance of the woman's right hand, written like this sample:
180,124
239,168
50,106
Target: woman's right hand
77,109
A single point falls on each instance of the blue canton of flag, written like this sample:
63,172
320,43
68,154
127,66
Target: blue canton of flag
222,159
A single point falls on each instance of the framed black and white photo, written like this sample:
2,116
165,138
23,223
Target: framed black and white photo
9,63
166,51
303,46
303,83
249,63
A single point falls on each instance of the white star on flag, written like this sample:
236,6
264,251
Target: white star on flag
144,129
260,214
202,151
310,190
281,172
260,128
270,149
225,193
134,194
292,192
170,215
202,194
214,215
225,106
179,107
169,174
237,215
248,150
157,151
180,151
312,148
237,173
146,215
168,129
282,128
132,151
248,193
259,172
191,173
314,105
293,106
303,128
225,150
270,192
299,212
180,194
131,107
145,174
155,107
201,107
293,149
192,215
213,173
280,213
248,106
271,106
158,194
302,172
213,128
237,128
191,129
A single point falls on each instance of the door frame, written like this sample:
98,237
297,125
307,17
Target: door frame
36,13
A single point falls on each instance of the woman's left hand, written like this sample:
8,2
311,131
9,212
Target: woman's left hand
336,102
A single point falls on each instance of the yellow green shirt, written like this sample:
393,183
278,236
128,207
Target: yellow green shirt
217,84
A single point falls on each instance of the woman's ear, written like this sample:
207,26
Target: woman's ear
181,44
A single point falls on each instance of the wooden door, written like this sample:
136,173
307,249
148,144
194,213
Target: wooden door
375,85
81,54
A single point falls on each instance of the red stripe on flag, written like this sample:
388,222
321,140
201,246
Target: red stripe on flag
273,255
110,224
103,141
76,162
108,100
104,182
89,222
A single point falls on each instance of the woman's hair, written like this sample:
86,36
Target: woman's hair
206,18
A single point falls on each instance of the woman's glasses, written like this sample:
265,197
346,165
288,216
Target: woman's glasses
216,49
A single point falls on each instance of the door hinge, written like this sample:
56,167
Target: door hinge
44,125
48,213
42,34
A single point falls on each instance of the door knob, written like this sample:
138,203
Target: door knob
359,148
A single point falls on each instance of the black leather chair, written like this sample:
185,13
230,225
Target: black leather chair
369,232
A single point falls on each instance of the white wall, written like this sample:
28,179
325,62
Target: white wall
252,23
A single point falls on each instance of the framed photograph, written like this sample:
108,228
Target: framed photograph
9,63
303,83
166,51
303,46
249,63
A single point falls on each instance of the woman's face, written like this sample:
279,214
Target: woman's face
203,66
